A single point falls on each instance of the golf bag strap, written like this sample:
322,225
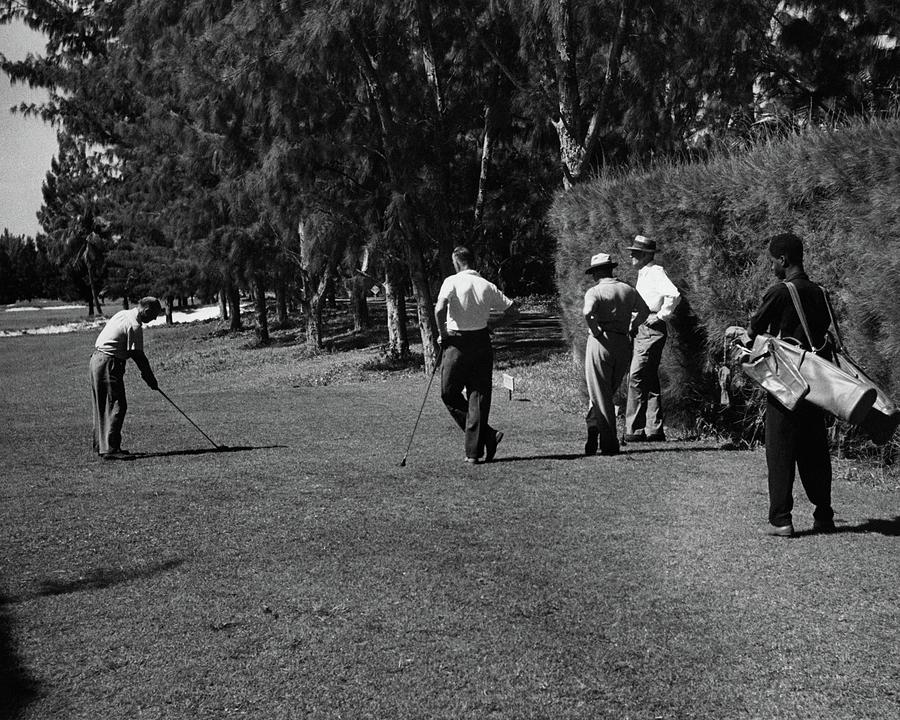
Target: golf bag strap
795,296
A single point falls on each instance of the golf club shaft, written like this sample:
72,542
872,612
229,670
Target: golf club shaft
437,364
187,418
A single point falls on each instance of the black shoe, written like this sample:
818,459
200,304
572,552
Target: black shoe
823,526
117,455
610,451
636,437
490,446
590,447
656,437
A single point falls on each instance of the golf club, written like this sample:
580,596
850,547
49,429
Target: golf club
437,364
217,447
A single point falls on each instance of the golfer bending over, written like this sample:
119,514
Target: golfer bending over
463,311
121,338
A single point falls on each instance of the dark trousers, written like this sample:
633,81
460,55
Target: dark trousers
797,439
468,362
110,405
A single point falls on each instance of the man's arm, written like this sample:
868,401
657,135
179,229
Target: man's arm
510,315
670,294
144,366
440,315
639,314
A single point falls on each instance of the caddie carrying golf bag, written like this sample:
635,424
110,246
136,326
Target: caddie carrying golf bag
791,373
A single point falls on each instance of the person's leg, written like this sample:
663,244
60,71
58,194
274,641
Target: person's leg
479,389
453,382
99,372
620,360
814,461
595,393
781,441
116,403
636,405
653,419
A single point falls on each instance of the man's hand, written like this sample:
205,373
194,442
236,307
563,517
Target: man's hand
151,382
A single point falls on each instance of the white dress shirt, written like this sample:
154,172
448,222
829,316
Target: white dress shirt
658,291
121,334
470,299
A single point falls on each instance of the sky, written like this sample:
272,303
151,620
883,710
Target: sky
27,145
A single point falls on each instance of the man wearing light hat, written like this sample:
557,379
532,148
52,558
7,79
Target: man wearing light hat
644,411
613,311
121,338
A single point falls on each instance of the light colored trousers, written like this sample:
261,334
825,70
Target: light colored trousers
644,411
605,365
108,387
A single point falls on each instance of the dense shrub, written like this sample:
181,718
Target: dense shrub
838,189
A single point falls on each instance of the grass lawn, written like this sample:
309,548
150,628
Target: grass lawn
303,573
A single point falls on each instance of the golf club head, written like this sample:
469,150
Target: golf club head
403,462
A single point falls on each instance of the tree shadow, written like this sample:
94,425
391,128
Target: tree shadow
17,688
205,451
93,580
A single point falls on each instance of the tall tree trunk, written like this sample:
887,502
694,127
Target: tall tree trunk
313,307
357,287
576,146
395,303
95,298
223,305
487,155
90,303
234,302
170,301
429,61
414,255
262,315
281,307
424,304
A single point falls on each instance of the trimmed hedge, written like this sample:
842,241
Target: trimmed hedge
839,190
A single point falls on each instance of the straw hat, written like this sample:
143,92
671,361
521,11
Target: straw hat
601,260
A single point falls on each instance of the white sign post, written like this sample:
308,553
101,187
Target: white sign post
509,382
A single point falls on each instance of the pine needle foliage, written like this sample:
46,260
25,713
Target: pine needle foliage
839,189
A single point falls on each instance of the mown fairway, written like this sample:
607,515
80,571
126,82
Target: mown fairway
304,574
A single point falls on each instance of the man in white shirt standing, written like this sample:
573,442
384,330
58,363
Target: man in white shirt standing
463,309
121,338
644,411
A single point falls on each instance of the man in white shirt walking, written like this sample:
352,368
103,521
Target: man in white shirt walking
644,411
121,338
463,309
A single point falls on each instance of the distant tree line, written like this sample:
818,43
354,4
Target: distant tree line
306,146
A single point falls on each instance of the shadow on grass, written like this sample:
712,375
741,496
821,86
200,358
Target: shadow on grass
575,456
17,687
890,528
204,451
521,458
94,580
670,447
